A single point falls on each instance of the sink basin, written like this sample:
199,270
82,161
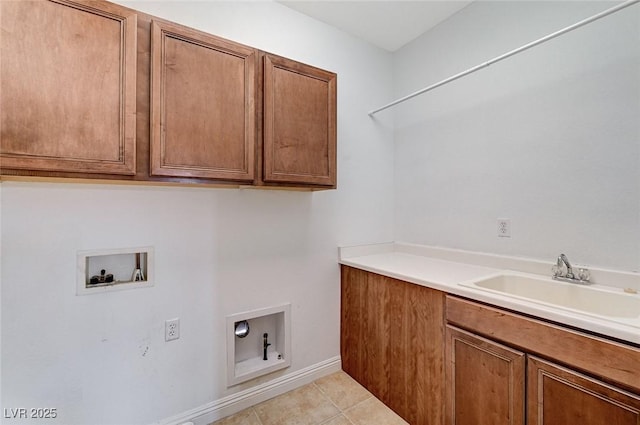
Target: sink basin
591,300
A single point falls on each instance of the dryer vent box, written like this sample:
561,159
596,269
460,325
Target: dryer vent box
245,355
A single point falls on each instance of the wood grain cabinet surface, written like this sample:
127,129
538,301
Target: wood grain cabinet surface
392,342
557,395
485,381
68,75
583,379
93,90
299,115
435,358
203,95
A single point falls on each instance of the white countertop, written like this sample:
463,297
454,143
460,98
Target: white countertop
445,269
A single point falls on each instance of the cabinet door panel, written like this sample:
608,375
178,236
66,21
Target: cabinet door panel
485,381
352,315
203,105
392,342
299,123
68,76
562,396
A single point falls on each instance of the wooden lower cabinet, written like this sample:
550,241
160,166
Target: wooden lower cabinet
435,358
392,342
485,381
486,386
487,377
557,395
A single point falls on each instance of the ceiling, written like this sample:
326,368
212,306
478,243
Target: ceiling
387,24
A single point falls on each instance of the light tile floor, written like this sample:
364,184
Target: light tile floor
333,400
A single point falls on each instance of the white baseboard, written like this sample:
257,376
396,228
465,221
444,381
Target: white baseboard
235,403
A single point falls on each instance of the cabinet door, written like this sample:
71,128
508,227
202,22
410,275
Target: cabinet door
392,342
299,123
561,396
485,381
68,81
203,92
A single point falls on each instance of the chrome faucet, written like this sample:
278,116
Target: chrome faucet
563,259
563,262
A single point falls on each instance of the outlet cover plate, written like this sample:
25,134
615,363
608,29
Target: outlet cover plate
171,329
504,228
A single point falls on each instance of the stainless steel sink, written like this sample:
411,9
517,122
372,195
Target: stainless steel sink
585,299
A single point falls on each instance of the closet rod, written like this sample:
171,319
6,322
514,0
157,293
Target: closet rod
509,54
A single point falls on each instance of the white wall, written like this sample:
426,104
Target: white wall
102,359
549,138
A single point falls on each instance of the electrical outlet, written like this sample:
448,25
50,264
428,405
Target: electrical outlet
171,329
504,228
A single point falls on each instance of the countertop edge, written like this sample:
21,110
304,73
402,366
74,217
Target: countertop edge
380,261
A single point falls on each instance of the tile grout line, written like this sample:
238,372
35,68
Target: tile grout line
358,404
326,396
342,415
332,418
256,415
342,412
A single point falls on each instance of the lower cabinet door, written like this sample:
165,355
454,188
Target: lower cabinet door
561,396
485,381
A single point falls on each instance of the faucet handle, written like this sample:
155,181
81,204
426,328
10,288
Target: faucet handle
584,275
556,270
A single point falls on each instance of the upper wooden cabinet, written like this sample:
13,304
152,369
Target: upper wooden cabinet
299,123
68,76
94,90
203,116
204,120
